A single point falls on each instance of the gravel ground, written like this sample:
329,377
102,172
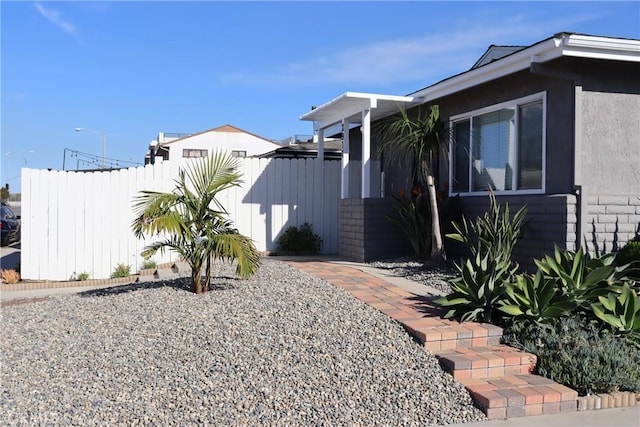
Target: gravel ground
281,348
436,277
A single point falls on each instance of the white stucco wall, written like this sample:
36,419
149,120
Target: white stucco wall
220,140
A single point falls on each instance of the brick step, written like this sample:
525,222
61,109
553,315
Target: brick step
486,361
520,395
437,334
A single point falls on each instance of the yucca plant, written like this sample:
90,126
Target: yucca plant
194,220
536,298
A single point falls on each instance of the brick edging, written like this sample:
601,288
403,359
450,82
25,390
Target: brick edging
30,286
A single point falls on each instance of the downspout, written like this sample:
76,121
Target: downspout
579,187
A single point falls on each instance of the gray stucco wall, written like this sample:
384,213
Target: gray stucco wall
611,154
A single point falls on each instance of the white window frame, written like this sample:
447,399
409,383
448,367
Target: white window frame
515,103
240,154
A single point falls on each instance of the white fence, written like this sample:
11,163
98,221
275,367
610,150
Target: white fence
74,222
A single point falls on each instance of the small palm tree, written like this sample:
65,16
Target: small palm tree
193,222
422,137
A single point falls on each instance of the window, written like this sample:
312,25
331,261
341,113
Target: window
499,148
191,153
236,153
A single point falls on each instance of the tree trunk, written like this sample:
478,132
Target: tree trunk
207,276
436,236
196,278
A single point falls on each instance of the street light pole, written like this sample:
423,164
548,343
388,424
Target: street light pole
104,144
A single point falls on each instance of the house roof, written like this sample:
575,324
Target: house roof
495,63
559,45
223,128
494,52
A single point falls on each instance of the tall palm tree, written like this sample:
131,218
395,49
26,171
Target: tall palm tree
421,137
192,222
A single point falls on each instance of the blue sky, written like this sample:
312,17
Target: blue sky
138,68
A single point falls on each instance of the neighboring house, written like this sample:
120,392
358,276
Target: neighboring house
305,147
182,147
554,126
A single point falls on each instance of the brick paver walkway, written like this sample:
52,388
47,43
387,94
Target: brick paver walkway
498,377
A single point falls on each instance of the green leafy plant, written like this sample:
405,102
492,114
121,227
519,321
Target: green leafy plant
621,311
121,270
482,283
494,234
147,264
581,278
630,255
479,289
579,354
418,135
300,240
80,276
193,222
536,298
415,221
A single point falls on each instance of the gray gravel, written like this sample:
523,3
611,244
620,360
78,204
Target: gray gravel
282,348
435,277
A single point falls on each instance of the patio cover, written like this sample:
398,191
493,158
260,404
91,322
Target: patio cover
359,109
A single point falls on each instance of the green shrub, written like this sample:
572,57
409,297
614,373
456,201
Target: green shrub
300,240
578,354
630,254
80,276
121,270
147,264
415,221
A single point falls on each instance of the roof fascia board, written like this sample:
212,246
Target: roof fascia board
347,105
518,61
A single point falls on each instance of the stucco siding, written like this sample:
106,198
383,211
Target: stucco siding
611,143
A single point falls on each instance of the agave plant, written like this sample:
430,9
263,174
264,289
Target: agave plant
536,298
582,278
195,222
621,311
479,290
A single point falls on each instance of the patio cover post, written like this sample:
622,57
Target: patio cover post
366,153
321,144
344,194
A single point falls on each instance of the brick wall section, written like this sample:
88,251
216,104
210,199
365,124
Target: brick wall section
612,221
364,232
550,220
